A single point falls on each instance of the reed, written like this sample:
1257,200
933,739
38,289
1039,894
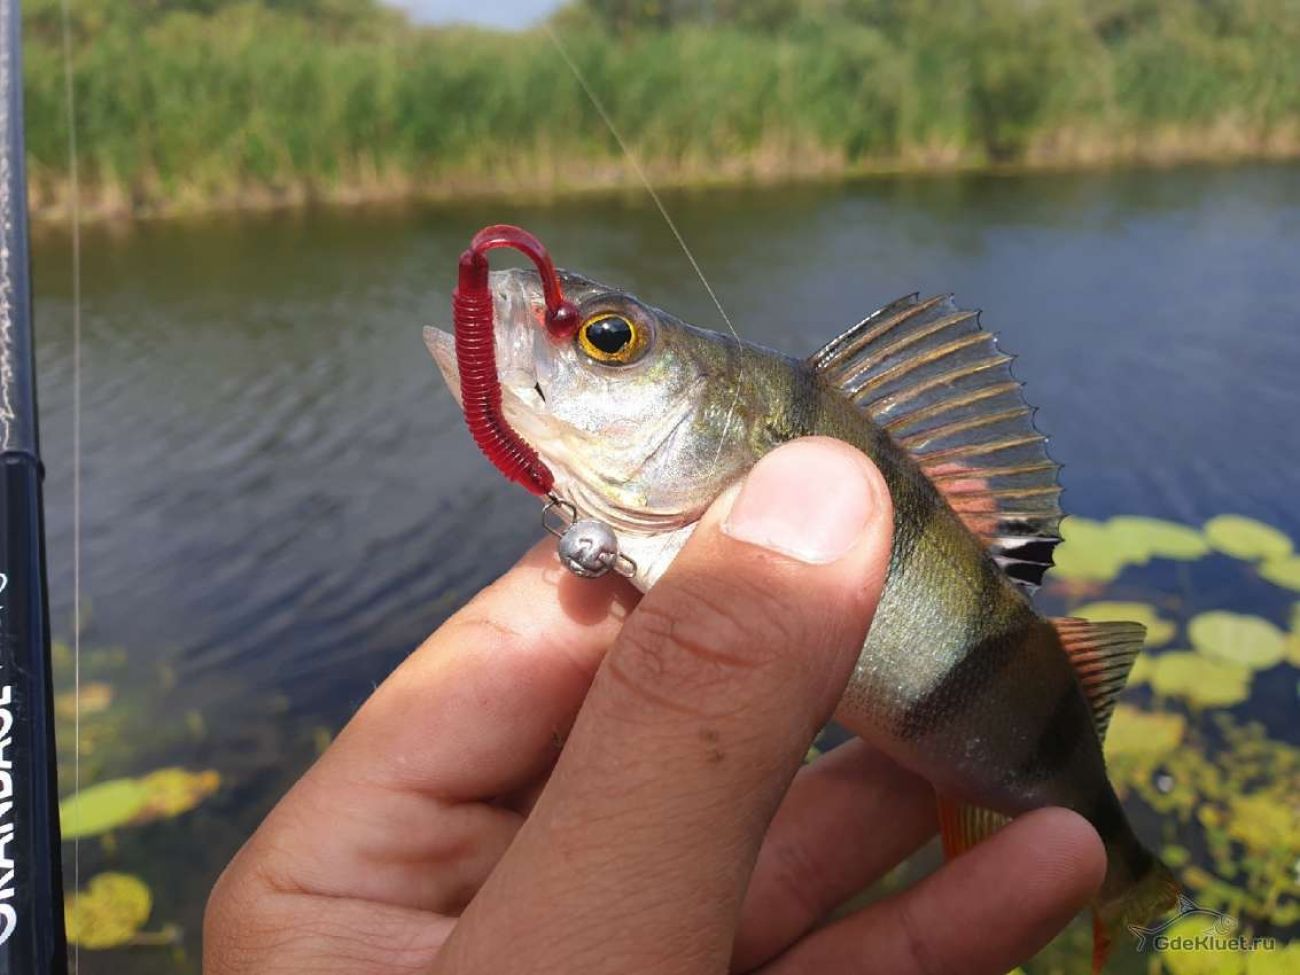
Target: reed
193,104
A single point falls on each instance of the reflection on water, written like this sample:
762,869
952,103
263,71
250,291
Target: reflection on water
280,499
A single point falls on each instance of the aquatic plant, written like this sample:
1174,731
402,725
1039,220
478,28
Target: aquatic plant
1246,538
110,805
189,105
1096,552
109,912
1248,640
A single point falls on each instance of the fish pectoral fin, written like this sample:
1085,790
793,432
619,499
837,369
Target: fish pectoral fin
961,825
1102,654
935,380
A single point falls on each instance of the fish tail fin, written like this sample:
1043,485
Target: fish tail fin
1138,889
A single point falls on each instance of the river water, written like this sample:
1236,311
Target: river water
279,498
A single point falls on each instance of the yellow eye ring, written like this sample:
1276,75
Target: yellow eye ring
612,339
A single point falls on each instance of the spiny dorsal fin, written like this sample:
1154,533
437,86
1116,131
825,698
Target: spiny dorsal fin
927,373
1102,655
962,826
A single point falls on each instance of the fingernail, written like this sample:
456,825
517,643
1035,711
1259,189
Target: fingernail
810,500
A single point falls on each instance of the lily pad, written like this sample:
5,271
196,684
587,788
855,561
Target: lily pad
1263,823
1189,954
1293,638
172,791
1282,960
1249,640
1283,572
102,808
1246,538
95,697
109,912
1143,734
1143,667
1159,538
1202,681
1087,553
1159,631
130,802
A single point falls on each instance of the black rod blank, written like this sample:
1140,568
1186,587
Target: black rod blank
32,937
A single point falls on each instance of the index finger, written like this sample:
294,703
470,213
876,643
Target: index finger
474,713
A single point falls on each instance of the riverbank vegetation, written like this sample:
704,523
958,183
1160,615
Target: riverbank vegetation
195,104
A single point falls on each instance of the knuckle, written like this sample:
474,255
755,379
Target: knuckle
801,879
915,943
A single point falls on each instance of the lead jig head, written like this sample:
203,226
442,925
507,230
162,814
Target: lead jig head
586,547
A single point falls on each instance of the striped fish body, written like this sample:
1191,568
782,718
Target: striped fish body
959,679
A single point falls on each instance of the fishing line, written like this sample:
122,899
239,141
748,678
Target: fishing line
70,104
635,163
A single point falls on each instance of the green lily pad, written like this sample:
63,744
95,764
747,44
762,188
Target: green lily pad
95,697
1246,538
1143,734
1282,960
1261,822
1282,572
1293,638
109,912
1087,553
1156,537
1159,631
1249,640
1143,667
109,805
1192,956
102,808
1205,682
172,791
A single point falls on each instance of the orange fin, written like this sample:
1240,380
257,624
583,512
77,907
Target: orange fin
935,380
1101,943
1102,655
962,826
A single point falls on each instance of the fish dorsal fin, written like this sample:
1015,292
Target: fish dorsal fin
961,826
1102,655
928,374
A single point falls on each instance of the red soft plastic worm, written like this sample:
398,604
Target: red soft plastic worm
480,389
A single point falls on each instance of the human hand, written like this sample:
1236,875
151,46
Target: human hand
446,830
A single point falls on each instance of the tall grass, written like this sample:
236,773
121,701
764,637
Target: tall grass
183,104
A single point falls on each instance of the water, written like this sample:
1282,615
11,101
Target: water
280,500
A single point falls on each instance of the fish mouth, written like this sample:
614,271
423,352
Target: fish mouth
520,383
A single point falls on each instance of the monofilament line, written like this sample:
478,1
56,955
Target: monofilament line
69,92
635,163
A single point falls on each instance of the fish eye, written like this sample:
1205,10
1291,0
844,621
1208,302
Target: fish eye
612,339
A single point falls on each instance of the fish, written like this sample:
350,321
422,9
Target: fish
645,419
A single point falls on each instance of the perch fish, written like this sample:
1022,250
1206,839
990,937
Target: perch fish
645,419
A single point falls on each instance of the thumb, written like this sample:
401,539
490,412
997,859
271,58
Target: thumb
640,848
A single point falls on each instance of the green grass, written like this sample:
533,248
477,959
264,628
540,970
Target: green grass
187,104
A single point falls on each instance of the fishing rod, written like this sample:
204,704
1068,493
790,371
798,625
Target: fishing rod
32,936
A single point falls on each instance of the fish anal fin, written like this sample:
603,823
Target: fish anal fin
961,825
1102,654
930,376
1101,943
